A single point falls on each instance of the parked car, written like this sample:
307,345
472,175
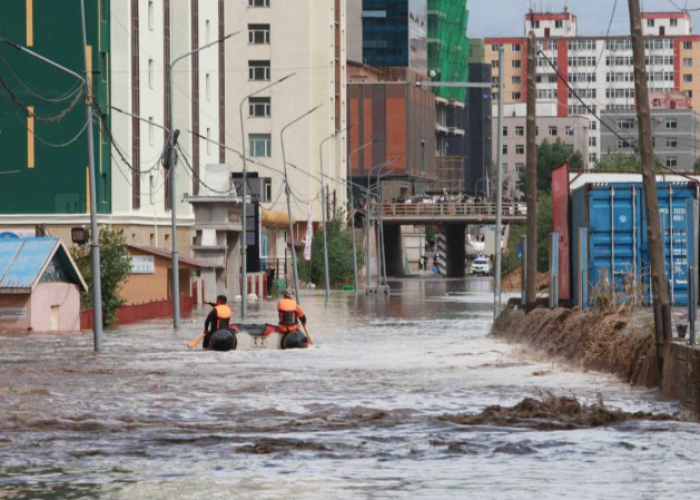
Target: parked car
481,267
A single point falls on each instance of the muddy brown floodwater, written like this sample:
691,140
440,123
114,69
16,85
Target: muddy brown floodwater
381,409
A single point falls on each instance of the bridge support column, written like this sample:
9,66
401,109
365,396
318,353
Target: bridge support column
393,246
455,252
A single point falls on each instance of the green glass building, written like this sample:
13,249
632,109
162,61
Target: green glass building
448,45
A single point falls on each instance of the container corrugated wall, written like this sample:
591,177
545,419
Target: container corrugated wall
617,238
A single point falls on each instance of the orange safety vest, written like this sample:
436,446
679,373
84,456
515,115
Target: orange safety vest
223,316
287,309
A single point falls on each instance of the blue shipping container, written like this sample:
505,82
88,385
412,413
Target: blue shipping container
617,243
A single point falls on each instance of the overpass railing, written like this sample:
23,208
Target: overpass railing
433,210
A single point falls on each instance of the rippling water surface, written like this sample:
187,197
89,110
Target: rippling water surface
355,418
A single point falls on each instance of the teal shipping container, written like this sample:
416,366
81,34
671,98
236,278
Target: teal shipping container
612,221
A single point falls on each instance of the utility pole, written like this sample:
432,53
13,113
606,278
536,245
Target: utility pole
662,310
95,235
499,191
531,175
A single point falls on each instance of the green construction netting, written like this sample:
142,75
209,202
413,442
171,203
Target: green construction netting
448,45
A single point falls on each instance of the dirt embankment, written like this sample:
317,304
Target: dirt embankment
621,344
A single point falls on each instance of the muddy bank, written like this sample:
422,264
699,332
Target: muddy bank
621,344
553,413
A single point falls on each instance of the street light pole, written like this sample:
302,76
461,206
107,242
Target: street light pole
244,208
95,236
499,188
172,163
325,226
352,207
289,201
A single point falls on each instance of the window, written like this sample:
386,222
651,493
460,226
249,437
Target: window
505,131
593,125
505,149
150,15
258,3
517,63
687,45
517,47
151,132
207,31
520,131
208,141
569,131
672,123
688,78
538,79
517,80
687,62
259,145
152,189
671,161
519,149
593,141
258,70
536,24
558,24
553,131
104,69
674,22
517,96
592,157
520,167
671,142
259,107
495,47
259,34
268,190
552,79
150,73
650,23
537,131
626,124
494,63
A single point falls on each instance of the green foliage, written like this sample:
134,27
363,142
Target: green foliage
620,161
115,265
340,257
552,155
544,229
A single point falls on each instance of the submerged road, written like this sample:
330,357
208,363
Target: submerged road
356,418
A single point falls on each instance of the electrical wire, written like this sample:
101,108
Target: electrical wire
29,112
195,177
69,93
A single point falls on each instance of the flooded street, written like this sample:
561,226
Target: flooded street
358,417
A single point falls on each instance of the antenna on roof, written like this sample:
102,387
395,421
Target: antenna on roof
566,6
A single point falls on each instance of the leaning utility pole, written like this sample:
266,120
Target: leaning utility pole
531,176
662,310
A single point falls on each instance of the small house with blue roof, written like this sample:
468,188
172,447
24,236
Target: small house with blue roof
40,286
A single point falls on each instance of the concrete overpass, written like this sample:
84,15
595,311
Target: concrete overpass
452,219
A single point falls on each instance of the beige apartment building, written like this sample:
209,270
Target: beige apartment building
571,130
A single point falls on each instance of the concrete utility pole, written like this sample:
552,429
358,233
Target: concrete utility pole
499,191
662,310
95,236
531,175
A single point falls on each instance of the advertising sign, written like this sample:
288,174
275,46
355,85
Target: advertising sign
143,264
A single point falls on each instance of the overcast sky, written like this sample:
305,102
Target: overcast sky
492,18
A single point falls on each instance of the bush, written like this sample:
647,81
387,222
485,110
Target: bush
115,266
340,257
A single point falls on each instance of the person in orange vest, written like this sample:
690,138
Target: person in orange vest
218,319
290,313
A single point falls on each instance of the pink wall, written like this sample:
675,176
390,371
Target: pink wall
64,295
15,303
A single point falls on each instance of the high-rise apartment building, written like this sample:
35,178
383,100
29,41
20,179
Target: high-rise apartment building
131,43
598,68
305,41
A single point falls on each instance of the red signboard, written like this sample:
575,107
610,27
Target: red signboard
560,225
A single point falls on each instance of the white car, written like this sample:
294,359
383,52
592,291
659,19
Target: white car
481,266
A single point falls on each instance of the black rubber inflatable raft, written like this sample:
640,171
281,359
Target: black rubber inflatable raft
254,337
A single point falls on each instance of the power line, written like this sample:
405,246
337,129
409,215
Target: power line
32,114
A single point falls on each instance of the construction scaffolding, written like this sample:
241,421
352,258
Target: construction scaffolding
450,175
448,45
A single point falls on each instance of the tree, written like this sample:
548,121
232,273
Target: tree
544,230
619,161
550,156
115,266
340,257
